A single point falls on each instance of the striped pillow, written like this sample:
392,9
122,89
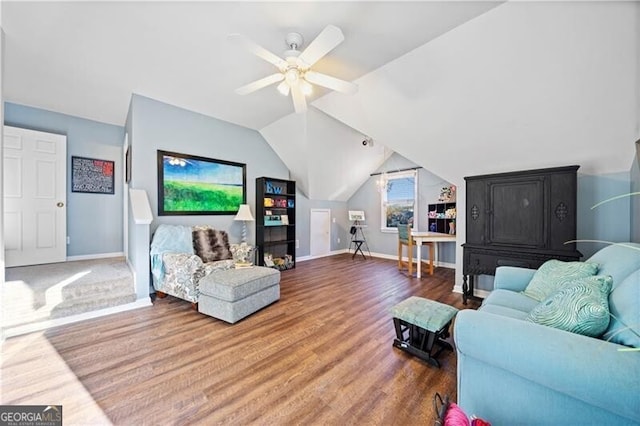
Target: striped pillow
211,244
581,307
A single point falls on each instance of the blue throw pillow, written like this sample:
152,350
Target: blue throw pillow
581,307
553,274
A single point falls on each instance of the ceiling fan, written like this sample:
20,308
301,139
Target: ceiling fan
294,72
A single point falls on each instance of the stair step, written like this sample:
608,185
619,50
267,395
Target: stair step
84,289
88,303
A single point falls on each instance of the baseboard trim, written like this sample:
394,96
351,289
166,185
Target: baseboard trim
95,256
395,257
331,253
43,325
374,254
477,292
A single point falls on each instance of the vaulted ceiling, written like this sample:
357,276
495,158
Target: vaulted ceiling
456,87
87,58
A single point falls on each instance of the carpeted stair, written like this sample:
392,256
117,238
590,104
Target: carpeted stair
43,292
80,298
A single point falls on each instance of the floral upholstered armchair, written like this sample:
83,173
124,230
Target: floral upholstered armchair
182,255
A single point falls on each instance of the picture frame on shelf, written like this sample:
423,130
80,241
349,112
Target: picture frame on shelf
268,260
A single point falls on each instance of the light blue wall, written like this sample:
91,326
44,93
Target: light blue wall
159,126
367,198
339,228
635,200
94,221
607,222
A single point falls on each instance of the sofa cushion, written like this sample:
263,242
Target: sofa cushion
581,307
624,327
618,260
510,299
553,274
211,244
504,311
234,284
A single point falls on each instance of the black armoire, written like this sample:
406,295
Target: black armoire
518,219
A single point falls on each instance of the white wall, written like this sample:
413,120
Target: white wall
637,70
326,158
1,177
526,85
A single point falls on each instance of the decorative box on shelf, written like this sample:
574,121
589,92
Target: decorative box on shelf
281,263
272,220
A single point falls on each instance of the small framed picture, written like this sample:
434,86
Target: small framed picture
285,219
356,214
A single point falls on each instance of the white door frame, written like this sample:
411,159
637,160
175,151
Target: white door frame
35,171
125,201
319,238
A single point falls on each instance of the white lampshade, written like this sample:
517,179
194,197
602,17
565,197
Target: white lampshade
244,213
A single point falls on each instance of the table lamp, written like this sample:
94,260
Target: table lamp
244,214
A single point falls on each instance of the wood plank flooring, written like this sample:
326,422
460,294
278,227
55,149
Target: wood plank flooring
321,355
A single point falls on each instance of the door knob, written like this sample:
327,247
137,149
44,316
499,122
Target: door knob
60,204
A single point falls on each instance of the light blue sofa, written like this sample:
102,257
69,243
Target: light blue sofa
515,372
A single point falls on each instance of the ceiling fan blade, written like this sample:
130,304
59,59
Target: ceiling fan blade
257,50
326,41
259,84
331,82
299,103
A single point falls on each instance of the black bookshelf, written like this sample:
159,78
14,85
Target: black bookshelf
276,222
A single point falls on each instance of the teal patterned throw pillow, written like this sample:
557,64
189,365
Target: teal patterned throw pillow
581,307
553,274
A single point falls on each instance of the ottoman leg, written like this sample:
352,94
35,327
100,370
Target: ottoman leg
420,342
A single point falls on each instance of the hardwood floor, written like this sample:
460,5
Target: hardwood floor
320,355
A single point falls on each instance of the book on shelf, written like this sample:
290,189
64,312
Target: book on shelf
268,202
291,203
281,202
285,219
273,188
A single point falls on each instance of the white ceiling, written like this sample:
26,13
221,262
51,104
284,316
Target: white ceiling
87,58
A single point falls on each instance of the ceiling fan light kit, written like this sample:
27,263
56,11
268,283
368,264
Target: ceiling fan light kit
295,75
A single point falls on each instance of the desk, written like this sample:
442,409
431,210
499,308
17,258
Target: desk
430,238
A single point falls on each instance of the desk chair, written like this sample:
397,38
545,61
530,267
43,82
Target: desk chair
405,239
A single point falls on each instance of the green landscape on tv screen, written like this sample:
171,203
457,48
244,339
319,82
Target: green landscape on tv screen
194,185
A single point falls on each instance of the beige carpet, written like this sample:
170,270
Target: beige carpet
39,293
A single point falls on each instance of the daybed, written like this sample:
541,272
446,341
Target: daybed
512,371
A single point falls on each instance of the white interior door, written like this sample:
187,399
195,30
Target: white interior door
35,202
320,238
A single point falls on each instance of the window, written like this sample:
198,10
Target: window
398,199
